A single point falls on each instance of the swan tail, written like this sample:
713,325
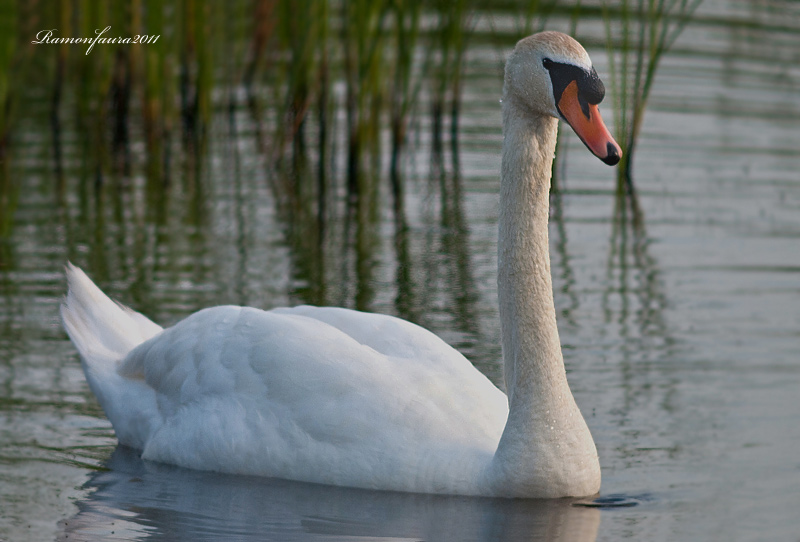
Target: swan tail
102,330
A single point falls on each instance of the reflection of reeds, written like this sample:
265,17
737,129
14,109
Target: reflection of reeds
449,43
647,29
9,194
328,83
455,249
370,48
635,302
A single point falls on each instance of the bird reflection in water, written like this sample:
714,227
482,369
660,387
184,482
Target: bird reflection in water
142,500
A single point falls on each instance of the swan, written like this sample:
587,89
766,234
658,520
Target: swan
340,397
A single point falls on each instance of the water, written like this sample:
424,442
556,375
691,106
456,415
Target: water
681,339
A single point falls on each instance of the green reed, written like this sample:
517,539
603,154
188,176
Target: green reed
158,100
646,29
9,24
315,86
327,80
535,14
449,41
9,190
364,46
300,38
196,64
405,88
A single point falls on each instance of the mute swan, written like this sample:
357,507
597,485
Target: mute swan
341,397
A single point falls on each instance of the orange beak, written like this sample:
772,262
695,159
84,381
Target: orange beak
586,121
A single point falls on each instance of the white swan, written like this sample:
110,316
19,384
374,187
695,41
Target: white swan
340,397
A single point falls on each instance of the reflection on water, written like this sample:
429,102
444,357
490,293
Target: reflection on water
137,500
633,277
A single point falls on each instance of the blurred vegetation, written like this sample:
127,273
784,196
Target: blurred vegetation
332,87
9,22
638,33
325,105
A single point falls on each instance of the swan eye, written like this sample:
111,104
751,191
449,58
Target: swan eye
547,63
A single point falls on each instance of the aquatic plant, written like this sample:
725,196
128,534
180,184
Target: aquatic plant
646,29
535,16
336,78
449,44
363,39
8,44
196,62
405,88
9,190
301,36
159,96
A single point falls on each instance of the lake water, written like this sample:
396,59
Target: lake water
681,337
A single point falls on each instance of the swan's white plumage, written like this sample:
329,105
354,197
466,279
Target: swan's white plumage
342,397
292,393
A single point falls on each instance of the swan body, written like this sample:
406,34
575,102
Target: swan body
342,397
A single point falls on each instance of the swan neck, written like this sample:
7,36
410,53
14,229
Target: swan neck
546,449
531,347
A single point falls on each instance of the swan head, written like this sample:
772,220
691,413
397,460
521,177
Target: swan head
550,74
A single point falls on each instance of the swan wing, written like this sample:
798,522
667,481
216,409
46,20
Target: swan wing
316,394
